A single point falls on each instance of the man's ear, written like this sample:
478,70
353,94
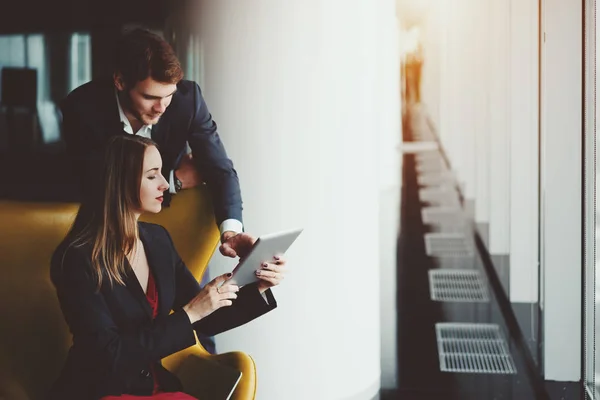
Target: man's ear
118,80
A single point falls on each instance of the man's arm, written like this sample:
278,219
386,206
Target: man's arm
214,165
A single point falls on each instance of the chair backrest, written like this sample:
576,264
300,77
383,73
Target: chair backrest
3,130
19,87
34,338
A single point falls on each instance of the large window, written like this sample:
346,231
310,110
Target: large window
62,63
80,67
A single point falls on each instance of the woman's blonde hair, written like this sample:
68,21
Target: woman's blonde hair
106,218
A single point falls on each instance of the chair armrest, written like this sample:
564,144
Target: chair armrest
246,388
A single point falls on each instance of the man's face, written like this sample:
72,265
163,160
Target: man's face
147,100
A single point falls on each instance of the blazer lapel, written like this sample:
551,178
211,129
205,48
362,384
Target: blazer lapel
133,285
159,260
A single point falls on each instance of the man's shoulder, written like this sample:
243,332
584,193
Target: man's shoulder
89,91
185,99
188,90
184,86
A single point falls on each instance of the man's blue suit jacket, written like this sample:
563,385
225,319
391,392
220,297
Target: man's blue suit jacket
91,116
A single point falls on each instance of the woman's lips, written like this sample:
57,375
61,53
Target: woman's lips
160,199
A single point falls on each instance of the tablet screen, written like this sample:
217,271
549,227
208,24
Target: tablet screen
264,249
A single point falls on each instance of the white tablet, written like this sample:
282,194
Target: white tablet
264,249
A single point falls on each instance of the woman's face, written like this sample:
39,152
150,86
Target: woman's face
153,183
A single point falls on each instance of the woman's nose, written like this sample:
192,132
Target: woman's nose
164,184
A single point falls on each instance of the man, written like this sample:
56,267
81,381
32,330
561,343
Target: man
147,96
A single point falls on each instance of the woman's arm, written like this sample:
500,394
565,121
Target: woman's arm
248,305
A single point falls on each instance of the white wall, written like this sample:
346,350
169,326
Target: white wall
465,79
562,187
300,97
508,65
487,57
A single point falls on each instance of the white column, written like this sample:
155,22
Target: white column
482,79
459,63
445,113
450,130
562,188
499,115
432,66
468,64
524,145
389,137
291,86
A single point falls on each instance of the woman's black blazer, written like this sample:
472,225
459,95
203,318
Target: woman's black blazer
116,343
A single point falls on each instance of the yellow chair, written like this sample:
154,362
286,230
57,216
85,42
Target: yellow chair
34,338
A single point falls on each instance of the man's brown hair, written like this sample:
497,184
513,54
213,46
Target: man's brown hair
142,54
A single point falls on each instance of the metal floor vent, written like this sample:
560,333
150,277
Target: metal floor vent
423,136
456,263
448,244
428,157
430,166
440,196
436,179
420,147
465,286
444,215
473,348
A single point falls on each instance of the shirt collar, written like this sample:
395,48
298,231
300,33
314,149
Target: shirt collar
126,125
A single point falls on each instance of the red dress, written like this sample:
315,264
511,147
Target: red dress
152,296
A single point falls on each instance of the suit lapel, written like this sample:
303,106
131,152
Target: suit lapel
108,111
160,131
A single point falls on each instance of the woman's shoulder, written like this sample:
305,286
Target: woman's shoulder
156,233
153,230
68,249
69,257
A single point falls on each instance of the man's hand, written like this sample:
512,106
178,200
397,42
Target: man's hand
187,173
236,245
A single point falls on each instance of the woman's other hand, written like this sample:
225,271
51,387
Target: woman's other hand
271,273
211,298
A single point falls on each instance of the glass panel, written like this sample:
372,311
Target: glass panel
81,69
593,66
591,221
12,51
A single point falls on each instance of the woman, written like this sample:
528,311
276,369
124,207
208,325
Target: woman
118,280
